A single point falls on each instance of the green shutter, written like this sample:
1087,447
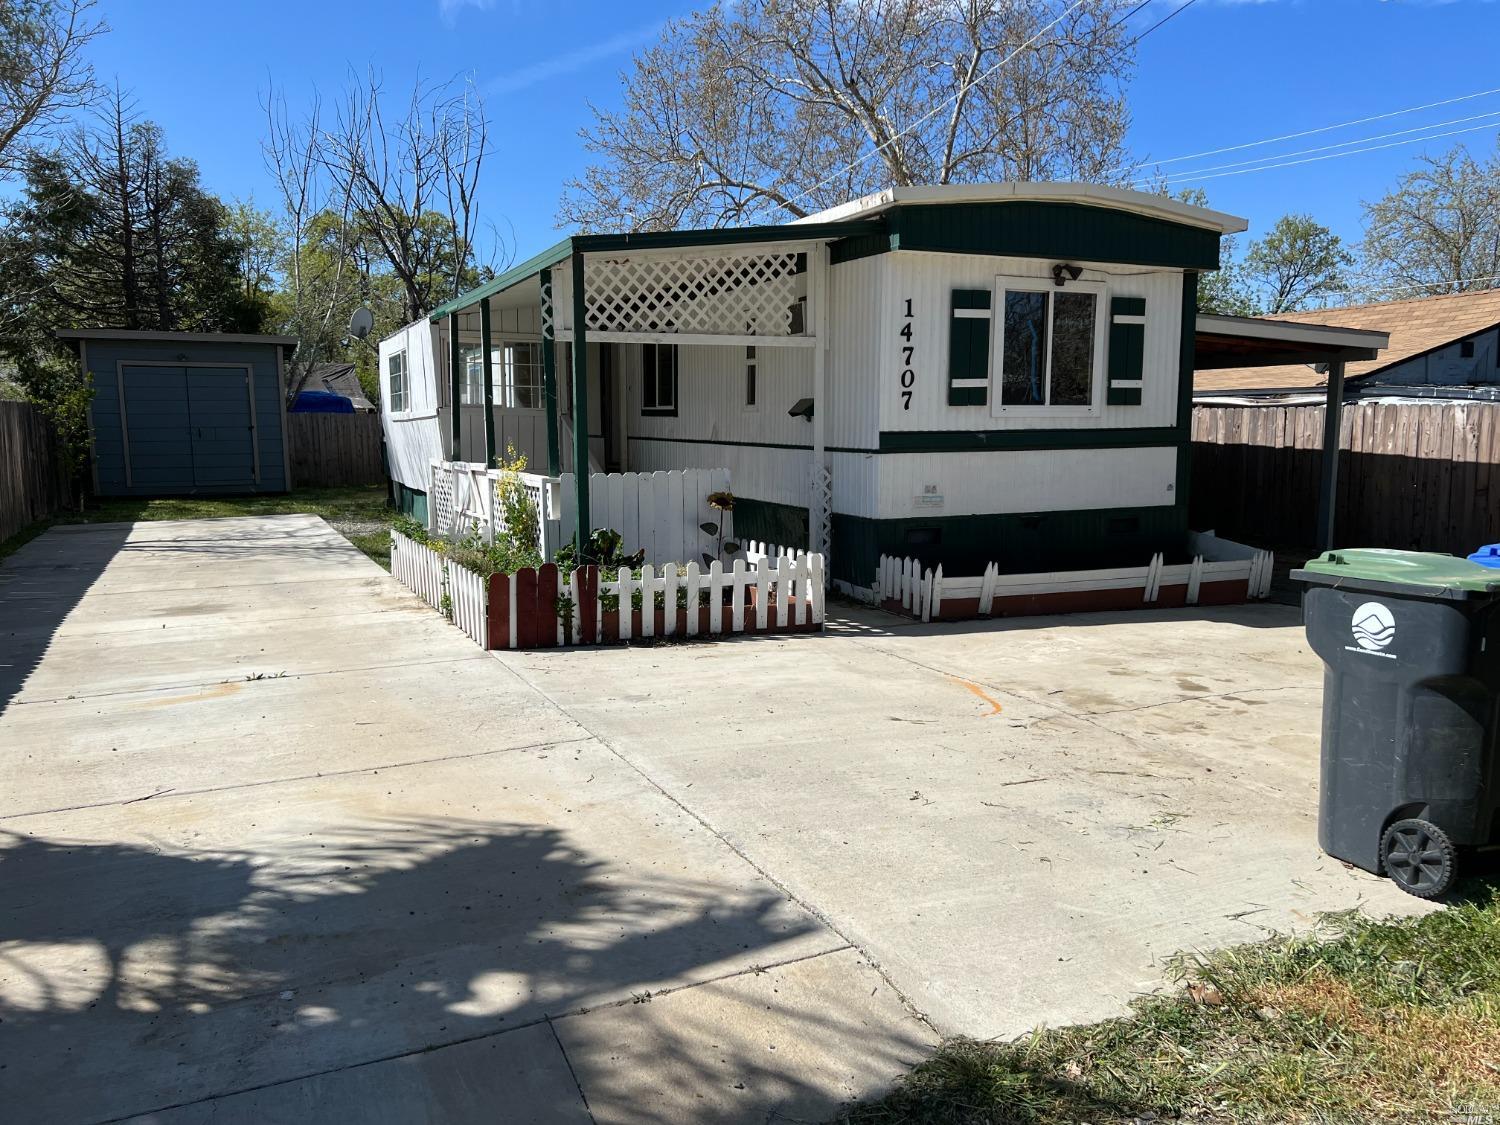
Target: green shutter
969,348
1127,350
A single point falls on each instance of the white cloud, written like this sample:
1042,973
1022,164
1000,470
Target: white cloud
569,61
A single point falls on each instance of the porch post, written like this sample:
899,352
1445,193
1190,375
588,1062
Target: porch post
455,430
819,493
549,376
580,402
1332,419
485,346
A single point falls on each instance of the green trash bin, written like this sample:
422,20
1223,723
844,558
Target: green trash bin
1411,645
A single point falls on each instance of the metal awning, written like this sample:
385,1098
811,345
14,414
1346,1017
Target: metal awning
1248,341
1252,341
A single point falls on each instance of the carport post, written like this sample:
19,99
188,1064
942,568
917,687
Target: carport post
1332,419
580,402
488,362
455,357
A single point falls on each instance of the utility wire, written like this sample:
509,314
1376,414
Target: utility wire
1332,155
1430,284
1328,148
1305,132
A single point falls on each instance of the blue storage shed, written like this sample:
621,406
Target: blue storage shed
181,413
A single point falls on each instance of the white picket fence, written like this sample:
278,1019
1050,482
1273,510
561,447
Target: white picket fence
922,591
662,513
458,593
787,592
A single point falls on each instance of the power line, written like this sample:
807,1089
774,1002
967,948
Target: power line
1431,284
1305,132
1328,148
1331,156
993,69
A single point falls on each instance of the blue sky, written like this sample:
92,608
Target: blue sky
1222,73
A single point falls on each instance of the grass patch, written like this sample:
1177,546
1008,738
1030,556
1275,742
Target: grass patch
1361,1021
359,514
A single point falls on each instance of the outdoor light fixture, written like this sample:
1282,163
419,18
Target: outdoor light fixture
1062,273
803,409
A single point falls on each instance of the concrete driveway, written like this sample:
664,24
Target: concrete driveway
279,844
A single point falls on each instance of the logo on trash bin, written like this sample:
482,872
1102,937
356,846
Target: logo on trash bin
1374,627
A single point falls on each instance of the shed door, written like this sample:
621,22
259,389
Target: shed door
223,435
189,428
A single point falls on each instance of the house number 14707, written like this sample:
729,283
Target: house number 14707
908,352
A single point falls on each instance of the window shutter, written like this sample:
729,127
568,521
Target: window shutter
1127,350
969,348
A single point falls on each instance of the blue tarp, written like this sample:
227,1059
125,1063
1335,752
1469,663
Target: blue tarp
320,402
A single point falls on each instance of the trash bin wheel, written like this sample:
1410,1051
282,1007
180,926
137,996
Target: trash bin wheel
1419,858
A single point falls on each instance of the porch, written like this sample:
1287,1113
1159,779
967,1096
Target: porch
697,355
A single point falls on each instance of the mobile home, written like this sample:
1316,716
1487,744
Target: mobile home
965,374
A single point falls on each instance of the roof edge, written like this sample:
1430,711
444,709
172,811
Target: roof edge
183,337
1139,202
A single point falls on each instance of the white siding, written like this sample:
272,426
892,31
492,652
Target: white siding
1034,480
413,437
929,279
856,305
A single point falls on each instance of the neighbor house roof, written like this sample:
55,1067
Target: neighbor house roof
341,379
1416,327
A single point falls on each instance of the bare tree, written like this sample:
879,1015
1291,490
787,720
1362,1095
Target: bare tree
316,285
412,182
766,110
1438,230
43,74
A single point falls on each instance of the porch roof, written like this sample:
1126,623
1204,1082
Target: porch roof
650,240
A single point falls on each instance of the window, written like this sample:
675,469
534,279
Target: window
471,387
659,379
1466,349
750,387
395,366
519,364
1049,345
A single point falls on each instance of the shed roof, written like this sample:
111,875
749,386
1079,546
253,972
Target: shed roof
172,337
1416,327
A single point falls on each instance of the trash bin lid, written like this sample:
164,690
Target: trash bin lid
1488,555
1445,574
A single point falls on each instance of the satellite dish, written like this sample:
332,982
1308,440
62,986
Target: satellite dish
360,323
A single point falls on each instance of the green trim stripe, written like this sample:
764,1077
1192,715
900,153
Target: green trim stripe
969,441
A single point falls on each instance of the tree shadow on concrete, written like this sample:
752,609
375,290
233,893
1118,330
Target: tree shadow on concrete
134,978
40,585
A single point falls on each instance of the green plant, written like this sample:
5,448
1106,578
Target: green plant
519,522
722,502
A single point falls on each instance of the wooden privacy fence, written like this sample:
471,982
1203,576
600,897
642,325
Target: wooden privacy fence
33,477
547,608
335,450
1412,475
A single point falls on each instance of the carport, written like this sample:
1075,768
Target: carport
1245,341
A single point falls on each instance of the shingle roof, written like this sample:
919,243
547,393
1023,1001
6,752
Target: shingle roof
1416,326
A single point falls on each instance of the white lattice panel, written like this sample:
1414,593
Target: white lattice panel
441,514
724,295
